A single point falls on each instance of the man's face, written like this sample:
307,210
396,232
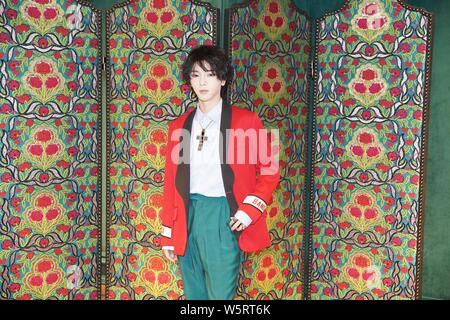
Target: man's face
206,85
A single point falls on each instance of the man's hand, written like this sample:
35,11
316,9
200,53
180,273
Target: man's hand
236,224
170,255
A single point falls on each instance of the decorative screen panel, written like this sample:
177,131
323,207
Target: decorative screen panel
147,43
49,150
370,129
269,44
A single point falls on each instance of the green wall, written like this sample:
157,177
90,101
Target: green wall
436,259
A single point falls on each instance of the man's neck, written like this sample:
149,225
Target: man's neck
205,107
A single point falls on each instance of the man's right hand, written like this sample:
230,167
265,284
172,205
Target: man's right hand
170,255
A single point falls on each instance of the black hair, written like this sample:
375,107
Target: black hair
216,58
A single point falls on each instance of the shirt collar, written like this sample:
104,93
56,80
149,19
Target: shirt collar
213,114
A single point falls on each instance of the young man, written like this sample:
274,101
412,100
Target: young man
214,199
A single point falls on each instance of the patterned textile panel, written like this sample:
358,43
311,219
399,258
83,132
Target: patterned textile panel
148,41
371,105
269,46
49,150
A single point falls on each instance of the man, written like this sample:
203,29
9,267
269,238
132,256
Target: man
214,199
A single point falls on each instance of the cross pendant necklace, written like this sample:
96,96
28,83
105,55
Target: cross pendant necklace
202,137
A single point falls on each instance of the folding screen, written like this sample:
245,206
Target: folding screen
49,143
356,233
147,43
370,127
269,43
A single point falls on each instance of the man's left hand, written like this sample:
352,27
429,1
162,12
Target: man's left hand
236,224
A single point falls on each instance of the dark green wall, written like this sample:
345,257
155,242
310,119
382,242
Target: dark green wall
436,261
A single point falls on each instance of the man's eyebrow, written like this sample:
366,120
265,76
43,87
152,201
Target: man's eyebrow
192,71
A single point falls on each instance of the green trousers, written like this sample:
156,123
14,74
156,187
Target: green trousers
210,265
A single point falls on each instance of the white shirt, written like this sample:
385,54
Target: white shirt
205,173
205,167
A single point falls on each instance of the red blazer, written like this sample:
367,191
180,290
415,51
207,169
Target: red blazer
248,186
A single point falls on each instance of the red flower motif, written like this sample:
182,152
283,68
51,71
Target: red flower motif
268,21
273,7
356,212
362,23
50,14
151,149
163,278
51,149
365,138
166,85
51,82
36,216
357,151
34,12
373,152
368,75
43,68
398,25
36,281
52,278
44,266
370,214
276,87
272,73
266,87
261,276
362,239
35,149
360,87
149,276
185,19
151,84
43,135
363,200
352,272
279,22
35,82
367,275
133,20
166,17
44,201
152,17
159,4
267,262
370,9
52,214
272,273
361,261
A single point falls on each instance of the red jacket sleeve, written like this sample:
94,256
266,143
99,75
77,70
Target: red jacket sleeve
168,209
267,166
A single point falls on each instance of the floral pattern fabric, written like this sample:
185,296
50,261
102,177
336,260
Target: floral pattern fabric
269,45
49,150
370,112
147,44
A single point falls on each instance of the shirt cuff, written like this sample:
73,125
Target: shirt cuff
167,248
243,217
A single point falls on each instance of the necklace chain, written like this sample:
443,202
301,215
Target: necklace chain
200,123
